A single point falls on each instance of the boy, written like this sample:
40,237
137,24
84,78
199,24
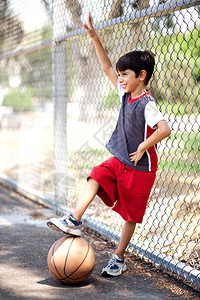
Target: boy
124,181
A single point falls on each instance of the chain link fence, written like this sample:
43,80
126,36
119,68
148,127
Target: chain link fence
58,110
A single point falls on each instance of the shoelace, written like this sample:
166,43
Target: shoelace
66,218
111,261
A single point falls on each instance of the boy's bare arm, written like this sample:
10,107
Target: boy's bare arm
101,53
162,132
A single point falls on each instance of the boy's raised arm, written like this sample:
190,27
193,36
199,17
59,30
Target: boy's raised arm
104,60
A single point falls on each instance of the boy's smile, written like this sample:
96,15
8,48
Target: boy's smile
132,84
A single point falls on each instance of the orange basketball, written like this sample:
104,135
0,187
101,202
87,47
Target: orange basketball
71,260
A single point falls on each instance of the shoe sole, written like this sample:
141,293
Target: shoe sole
76,232
107,274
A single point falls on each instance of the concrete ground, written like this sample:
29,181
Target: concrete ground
24,244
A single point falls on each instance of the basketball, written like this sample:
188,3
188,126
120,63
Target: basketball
71,260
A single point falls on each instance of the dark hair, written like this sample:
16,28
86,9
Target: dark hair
137,61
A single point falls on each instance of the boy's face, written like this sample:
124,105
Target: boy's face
128,80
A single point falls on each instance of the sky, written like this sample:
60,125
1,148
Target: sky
30,12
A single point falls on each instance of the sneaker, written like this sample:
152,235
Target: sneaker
115,266
66,224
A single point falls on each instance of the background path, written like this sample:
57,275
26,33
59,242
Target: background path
24,244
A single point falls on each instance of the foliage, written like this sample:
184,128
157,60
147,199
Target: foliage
19,100
11,35
36,67
176,77
112,99
9,24
36,71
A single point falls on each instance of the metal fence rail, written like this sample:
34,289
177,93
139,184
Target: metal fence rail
57,111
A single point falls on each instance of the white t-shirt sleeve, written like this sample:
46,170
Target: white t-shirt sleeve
152,114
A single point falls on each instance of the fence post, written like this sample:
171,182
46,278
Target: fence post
59,100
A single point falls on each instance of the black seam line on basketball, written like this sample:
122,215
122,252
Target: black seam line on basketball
54,262
72,279
67,256
79,265
56,276
86,275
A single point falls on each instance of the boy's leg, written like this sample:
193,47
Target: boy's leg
71,224
116,264
85,198
126,235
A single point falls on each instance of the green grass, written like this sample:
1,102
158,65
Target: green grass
187,141
183,156
179,166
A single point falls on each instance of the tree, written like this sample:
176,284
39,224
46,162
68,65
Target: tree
9,24
36,68
11,34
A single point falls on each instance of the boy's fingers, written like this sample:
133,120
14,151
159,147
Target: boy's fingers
85,26
131,154
90,20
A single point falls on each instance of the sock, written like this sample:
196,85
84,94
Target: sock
74,220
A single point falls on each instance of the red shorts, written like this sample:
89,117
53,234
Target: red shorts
124,189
